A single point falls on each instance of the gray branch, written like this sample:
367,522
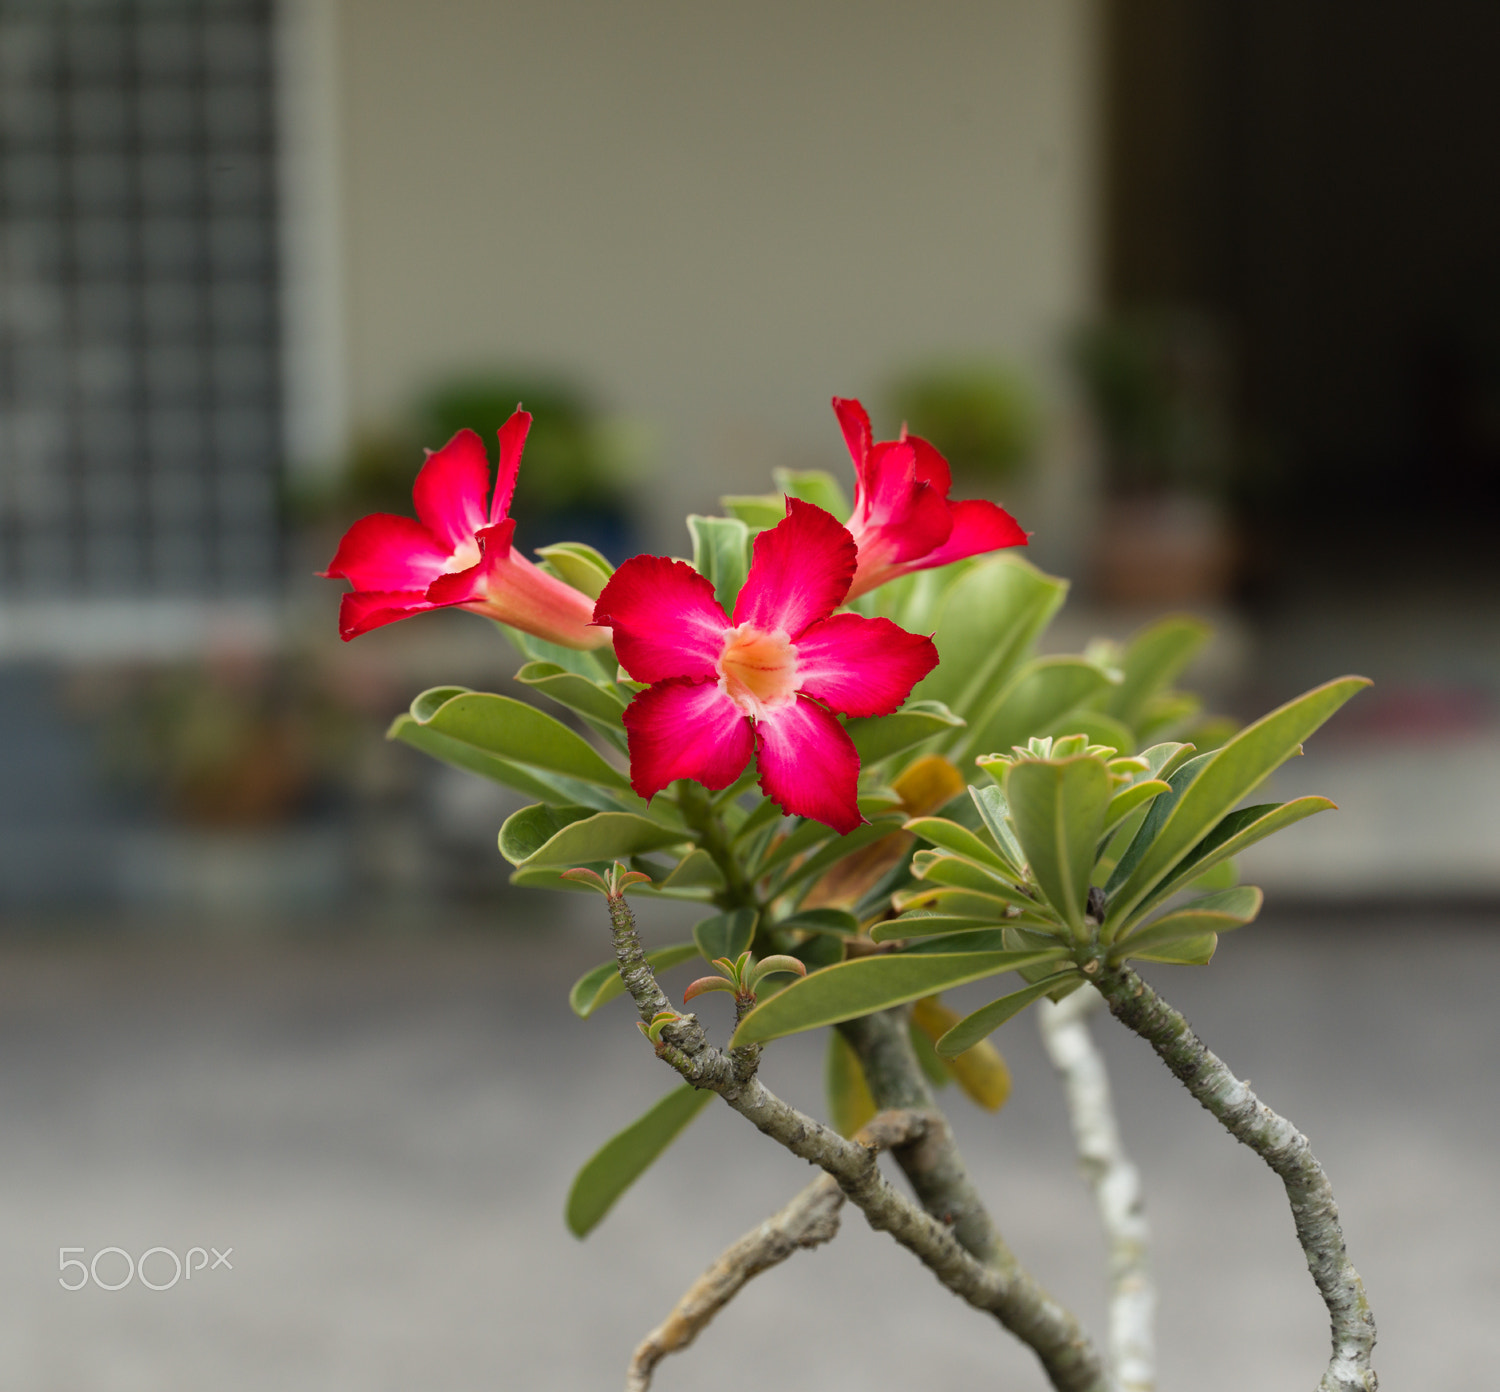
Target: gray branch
1012,1297
810,1219
1115,1181
1284,1149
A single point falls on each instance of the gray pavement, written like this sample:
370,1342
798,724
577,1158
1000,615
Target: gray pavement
383,1127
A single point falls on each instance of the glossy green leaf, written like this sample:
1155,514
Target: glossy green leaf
602,984
1163,760
987,620
940,868
527,831
595,699
513,731
1127,800
1213,914
623,1159
532,782
921,925
721,554
1193,950
1233,834
881,736
836,921
1058,809
1229,775
1042,692
725,934
944,899
578,565
696,870
603,836
986,939
856,988
948,835
850,1104
1222,874
757,511
987,1019
1152,659
994,814
813,486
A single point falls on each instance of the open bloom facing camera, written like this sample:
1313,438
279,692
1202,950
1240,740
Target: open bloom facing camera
459,553
765,681
903,520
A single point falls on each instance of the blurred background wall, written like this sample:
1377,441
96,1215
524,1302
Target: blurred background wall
1226,276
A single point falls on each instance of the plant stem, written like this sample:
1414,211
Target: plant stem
1285,1149
1010,1295
1115,1181
699,814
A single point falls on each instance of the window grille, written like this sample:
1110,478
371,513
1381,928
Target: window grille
140,428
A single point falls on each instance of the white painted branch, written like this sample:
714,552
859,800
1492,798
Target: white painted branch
1115,1181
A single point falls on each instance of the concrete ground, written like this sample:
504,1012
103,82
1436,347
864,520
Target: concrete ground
383,1126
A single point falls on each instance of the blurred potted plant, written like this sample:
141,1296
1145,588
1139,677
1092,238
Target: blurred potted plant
984,413
1156,386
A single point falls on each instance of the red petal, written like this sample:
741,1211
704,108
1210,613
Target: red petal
799,571
512,441
367,609
978,526
854,420
685,729
463,586
932,468
449,492
862,666
665,619
388,552
809,765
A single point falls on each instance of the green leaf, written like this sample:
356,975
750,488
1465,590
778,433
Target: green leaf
836,921
721,555
1128,799
603,836
1057,808
527,831
597,664
987,620
1211,915
850,1105
1040,694
984,939
1195,950
1229,775
939,868
513,731
602,984
988,1018
1232,835
1097,727
465,756
813,486
881,736
1163,760
943,899
960,840
994,813
757,511
726,934
625,1158
578,565
696,870
598,700
1151,660
851,989
837,849
921,925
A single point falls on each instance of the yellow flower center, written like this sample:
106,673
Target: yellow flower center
757,669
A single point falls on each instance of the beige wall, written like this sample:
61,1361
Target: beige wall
716,215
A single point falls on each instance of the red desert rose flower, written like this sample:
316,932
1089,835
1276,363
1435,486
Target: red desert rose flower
766,681
459,554
902,518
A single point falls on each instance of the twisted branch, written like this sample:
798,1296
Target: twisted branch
1011,1296
1115,1181
1285,1149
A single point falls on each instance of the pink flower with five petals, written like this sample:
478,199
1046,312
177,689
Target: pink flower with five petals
903,520
766,681
459,554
